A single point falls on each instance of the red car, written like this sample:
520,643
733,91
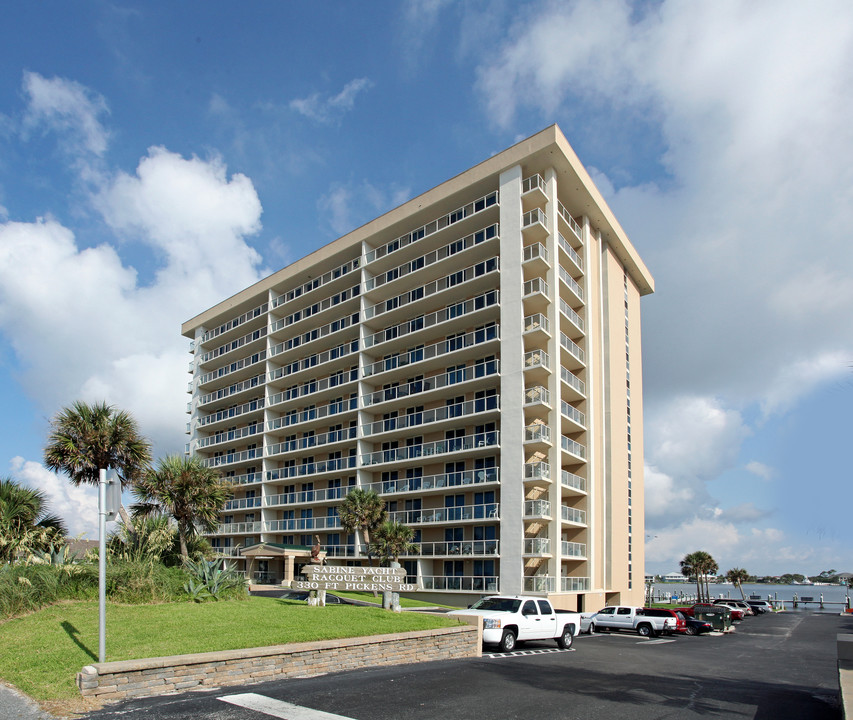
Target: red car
680,624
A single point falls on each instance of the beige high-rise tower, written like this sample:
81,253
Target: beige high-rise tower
473,356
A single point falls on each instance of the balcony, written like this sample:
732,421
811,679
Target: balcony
536,259
575,350
537,546
417,355
570,481
573,448
235,369
233,323
572,515
231,458
324,279
338,301
537,471
314,362
539,584
440,447
572,550
327,522
533,192
537,433
240,528
304,497
422,485
534,224
537,366
536,324
536,294
245,478
570,380
435,382
314,336
462,583
571,253
229,436
537,395
570,223
537,509
576,326
464,547
311,441
459,513
429,417
574,584
242,504
232,412
226,551
576,297
338,380
313,468
572,413
247,339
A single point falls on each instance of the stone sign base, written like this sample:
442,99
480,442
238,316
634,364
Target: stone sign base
159,676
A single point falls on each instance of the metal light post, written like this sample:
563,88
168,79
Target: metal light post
109,501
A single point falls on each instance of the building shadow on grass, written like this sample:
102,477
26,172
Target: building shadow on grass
73,633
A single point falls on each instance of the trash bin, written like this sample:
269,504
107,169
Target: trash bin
719,616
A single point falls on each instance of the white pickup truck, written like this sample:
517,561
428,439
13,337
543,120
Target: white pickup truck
620,617
509,619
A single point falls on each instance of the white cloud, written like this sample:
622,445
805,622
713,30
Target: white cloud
347,206
760,470
330,109
78,506
69,107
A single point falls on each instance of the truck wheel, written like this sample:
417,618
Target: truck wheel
645,630
591,630
507,643
567,638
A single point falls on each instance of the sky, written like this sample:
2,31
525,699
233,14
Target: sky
157,157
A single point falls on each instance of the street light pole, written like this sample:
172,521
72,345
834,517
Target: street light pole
102,564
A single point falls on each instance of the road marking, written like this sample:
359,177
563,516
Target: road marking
519,653
655,642
278,708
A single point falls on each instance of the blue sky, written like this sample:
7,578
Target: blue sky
157,157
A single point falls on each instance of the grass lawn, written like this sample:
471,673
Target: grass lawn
41,653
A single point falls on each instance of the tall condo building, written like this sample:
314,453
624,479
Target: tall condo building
473,356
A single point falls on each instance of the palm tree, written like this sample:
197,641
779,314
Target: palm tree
362,510
185,489
699,564
87,438
393,539
738,576
25,524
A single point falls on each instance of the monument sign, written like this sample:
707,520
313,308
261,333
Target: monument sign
369,579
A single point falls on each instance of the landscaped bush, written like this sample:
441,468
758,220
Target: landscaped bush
141,582
26,587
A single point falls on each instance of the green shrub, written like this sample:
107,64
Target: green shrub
27,587
143,582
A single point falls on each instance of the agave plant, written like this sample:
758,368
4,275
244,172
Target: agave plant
208,579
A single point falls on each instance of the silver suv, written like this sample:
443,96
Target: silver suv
739,604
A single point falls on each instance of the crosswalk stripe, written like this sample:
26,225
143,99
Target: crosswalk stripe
278,708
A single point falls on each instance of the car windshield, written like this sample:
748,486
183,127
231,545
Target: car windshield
496,603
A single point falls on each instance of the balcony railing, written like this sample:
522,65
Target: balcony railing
234,344
574,584
333,301
245,478
536,251
430,258
430,482
312,441
537,322
315,386
462,547
234,322
232,389
571,283
233,367
430,228
573,549
460,513
451,312
537,359
537,471
536,285
478,370
572,447
534,182
537,433
573,317
537,395
537,546
425,417
439,447
572,380
324,279
420,354
537,509
575,350
226,551
539,584
349,347
570,251
230,435
463,583
326,522
232,457
242,503
312,468
232,412
238,528
314,334
572,413
570,480
302,497
572,515
570,221
533,217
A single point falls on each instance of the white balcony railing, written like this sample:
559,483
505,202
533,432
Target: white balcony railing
573,515
537,546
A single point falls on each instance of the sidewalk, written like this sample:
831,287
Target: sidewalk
14,706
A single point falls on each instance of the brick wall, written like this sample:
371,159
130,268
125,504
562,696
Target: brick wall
157,676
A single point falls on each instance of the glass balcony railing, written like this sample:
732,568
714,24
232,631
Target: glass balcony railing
575,350
459,513
311,468
572,413
537,509
245,478
242,503
232,389
453,377
232,412
537,433
234,322
229,436
537,359
466,547
572,380
572,447
537,546
539,584
536,251
570,251
328,522
335,300
534,286
537,471
231,457
233,367
425,417
302,497
573,317
572,515
537,395
312,362
238,528
569,220
314,334
534,217
534,182
324,279
431,482
570,282
572,549
570,480
574,584
311,387
311,441
463,583
440,447
234,344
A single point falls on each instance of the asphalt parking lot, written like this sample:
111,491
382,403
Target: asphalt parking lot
773,666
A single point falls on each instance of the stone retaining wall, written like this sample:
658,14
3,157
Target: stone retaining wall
158,676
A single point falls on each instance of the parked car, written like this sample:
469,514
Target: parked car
760,606
734,613
507,619
680,625
620,617
692,626
735,605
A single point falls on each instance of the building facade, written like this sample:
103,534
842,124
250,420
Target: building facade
473,356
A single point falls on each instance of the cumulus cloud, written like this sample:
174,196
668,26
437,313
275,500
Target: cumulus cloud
348,205
330,109
78,506
69,107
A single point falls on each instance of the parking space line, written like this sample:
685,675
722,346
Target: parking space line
278,708
519,653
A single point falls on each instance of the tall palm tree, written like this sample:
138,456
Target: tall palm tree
25,524
699,564
362,510
87,438
185,489
393,539
710,567
737,577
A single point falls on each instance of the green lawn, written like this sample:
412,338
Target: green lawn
41,653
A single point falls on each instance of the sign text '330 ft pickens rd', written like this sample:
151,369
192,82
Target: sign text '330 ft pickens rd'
327,577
